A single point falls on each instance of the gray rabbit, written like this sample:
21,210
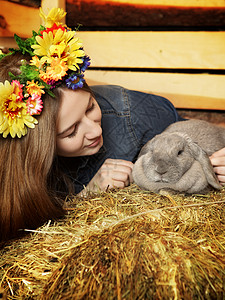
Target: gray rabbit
177,160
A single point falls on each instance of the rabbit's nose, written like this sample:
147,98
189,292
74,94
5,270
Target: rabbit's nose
160,170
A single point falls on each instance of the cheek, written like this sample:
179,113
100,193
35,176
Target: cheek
66,146
98,113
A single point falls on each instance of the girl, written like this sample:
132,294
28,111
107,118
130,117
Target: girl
61,137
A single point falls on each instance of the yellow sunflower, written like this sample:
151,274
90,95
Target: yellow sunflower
54,16
63,45
13,113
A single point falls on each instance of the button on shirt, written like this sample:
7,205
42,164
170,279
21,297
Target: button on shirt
129,120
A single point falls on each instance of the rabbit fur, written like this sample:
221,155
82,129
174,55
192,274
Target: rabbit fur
177,160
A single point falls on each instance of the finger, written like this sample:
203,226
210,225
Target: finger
221,179
116,171
121,184
131,178
119,181
219,153
219,170
127,182
121,176
218,161
114,179
115,184
126,170
119,162
118,184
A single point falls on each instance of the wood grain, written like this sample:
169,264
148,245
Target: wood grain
193,91
97,14
140,51
204,50
180,3
18,19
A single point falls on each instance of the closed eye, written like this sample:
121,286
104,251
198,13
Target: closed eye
91,107
73,133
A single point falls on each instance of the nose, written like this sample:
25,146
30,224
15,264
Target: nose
161,167
160,171
92,129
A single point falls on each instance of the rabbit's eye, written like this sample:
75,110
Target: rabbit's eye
180,152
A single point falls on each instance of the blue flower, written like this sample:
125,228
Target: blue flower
86,63
75,81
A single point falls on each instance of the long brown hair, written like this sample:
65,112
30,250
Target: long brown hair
26,201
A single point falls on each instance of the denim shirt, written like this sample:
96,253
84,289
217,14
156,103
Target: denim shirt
129,120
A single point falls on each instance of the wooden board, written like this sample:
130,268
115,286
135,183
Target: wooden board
193,91
47,5
156,61
204,50
19,19
180,3
145,13
179,50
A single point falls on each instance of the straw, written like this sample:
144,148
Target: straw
122,244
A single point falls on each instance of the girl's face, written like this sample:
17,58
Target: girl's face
79,129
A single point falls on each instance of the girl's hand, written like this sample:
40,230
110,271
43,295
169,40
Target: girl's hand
218,162
114,173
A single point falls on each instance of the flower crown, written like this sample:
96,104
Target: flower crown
57,56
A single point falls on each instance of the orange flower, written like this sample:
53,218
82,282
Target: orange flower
57,70
35,61
34,88
43,76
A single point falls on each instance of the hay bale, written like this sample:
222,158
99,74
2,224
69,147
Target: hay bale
123,244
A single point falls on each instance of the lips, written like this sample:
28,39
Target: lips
95,143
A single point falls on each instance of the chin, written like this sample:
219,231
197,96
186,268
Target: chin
94,150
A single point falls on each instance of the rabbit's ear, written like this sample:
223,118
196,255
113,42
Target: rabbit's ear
199,154
144,149
147,148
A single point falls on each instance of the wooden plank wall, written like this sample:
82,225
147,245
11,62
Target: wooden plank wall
175,49
175,65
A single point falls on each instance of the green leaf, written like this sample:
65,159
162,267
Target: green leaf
47,88
2,55
12,75
40,29
51,93
25,45
29,72
11,51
